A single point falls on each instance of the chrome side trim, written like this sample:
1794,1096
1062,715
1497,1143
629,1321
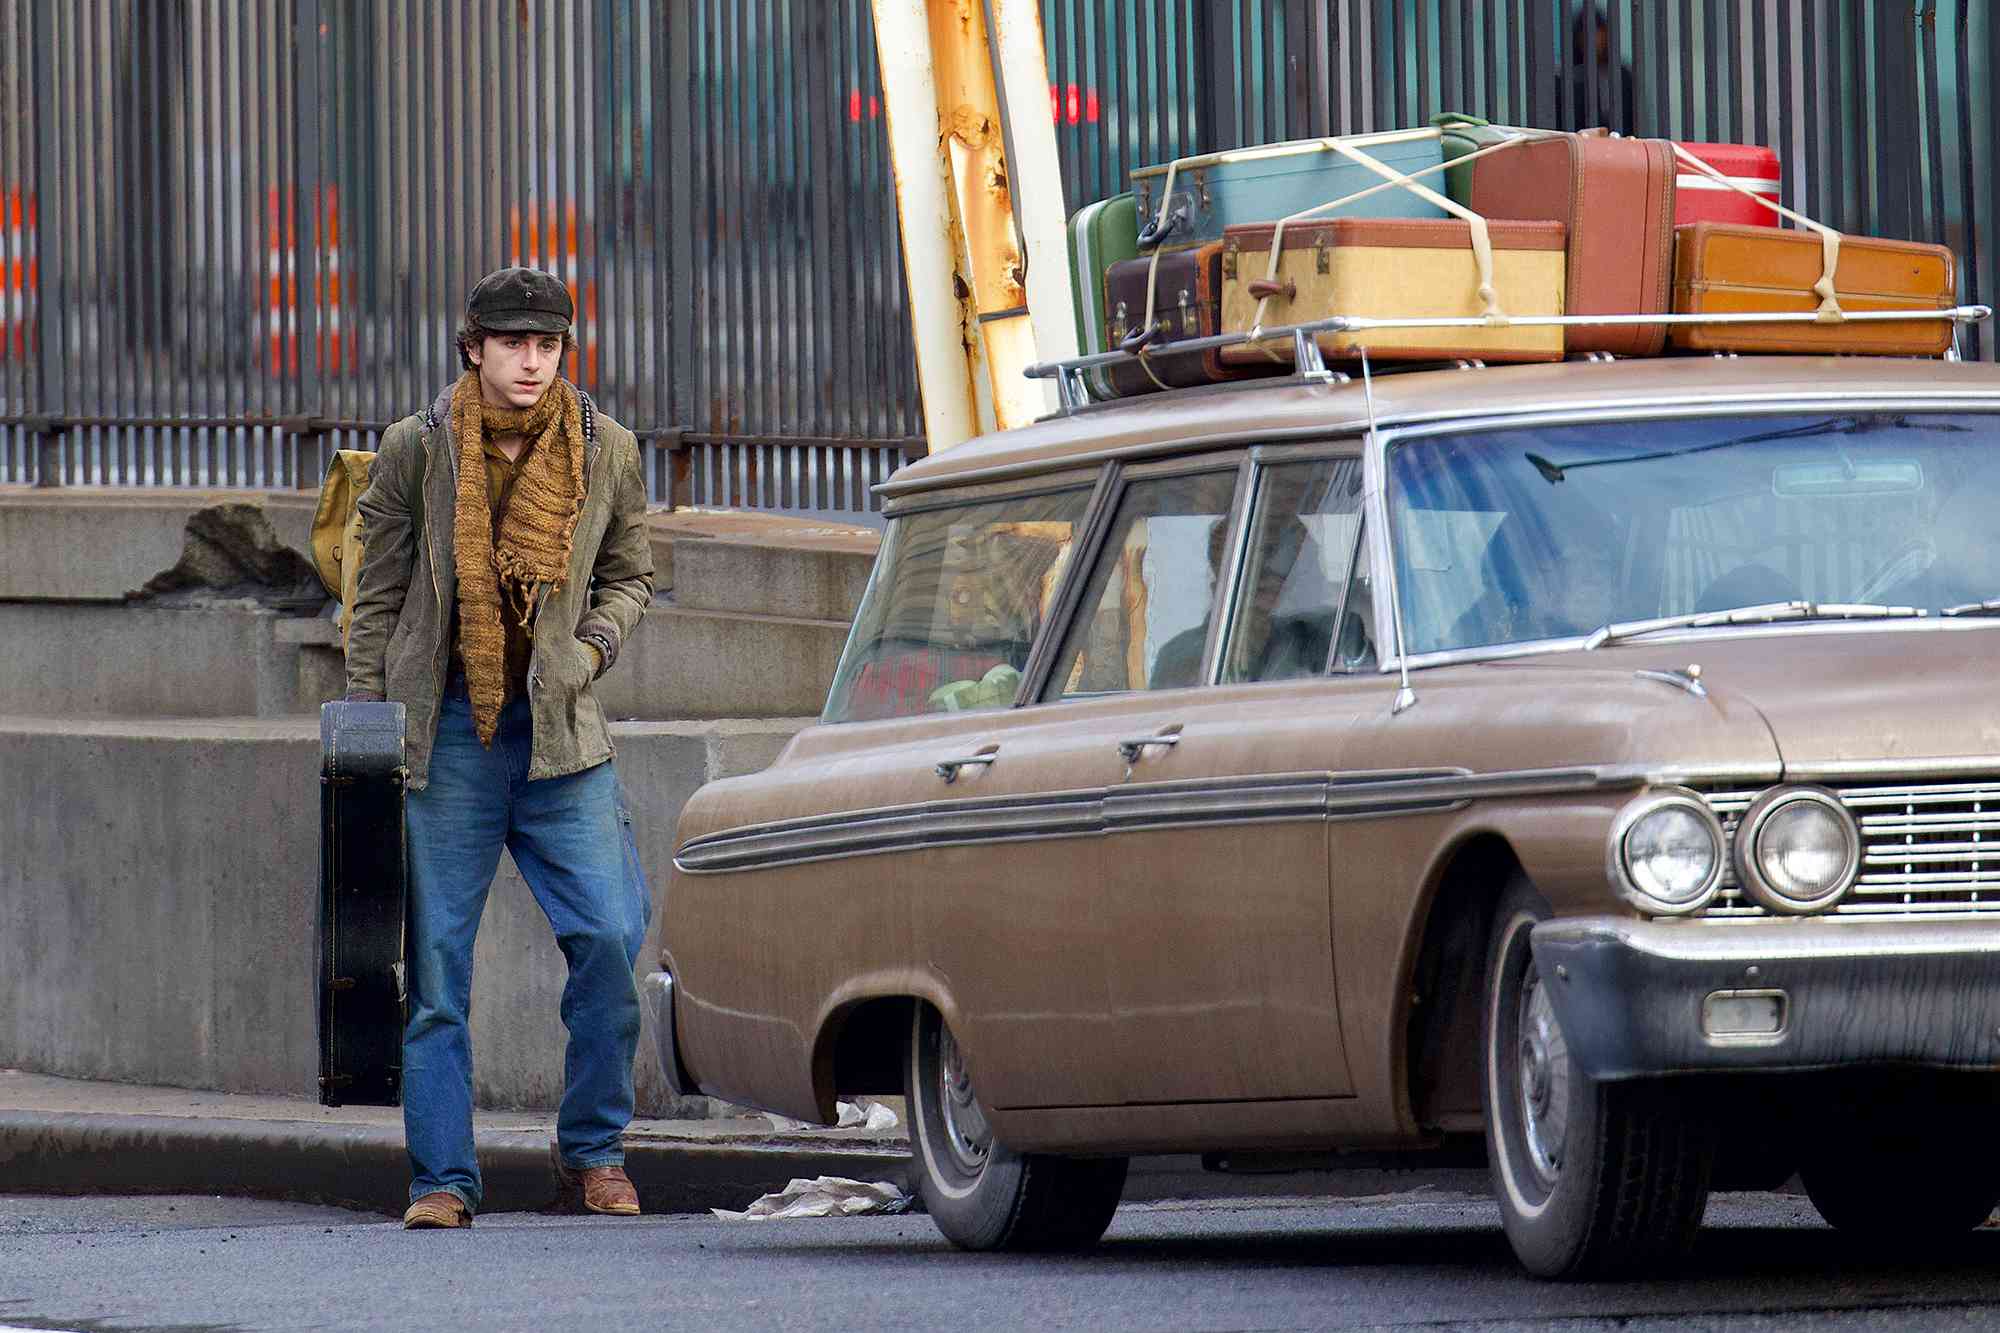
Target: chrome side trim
1187,803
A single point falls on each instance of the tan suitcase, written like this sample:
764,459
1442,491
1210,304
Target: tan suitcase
1395,268
1723,268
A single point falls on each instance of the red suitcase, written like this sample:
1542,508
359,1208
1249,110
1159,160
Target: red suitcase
1699,197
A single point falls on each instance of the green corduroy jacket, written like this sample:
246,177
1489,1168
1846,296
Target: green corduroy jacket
399,645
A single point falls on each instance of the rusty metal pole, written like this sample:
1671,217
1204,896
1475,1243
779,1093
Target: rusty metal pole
969,114
950,360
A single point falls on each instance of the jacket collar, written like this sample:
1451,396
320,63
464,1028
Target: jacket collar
439,414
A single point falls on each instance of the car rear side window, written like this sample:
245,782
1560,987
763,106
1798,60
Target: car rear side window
1305,527
1144,619
953,607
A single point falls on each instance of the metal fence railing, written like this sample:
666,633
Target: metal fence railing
235,234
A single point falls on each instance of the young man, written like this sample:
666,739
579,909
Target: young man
505,561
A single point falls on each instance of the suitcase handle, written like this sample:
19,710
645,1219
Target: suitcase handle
1157,228
1263,287
1139,338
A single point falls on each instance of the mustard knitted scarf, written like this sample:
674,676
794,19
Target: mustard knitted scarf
500,565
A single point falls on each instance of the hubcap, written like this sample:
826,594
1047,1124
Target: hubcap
966,1132
1544,1079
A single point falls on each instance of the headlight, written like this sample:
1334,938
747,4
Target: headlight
1797,850
1666,853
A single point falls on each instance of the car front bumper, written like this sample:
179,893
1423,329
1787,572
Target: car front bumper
657,990
1636,999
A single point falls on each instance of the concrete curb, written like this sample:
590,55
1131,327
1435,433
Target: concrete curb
364,1166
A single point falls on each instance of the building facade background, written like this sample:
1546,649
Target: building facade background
236,234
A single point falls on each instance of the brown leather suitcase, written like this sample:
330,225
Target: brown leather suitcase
1389,269
1722,268
1616,197
1187,302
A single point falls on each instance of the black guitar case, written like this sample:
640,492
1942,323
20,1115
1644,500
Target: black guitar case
363,888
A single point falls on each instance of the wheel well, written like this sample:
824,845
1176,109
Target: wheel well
1442,1054
862,1047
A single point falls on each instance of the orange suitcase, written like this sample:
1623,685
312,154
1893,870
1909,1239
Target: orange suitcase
1723,268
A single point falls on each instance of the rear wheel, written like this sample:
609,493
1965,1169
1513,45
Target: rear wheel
1593,1179
981,1194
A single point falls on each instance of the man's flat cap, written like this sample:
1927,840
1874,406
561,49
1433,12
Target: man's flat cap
521,300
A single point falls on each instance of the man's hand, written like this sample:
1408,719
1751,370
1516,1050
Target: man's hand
596,658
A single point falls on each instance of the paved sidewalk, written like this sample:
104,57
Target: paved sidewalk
67,1136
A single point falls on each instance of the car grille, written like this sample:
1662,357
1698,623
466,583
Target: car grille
1926,849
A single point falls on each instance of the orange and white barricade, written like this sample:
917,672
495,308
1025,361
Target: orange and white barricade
281,306
20,275
534,239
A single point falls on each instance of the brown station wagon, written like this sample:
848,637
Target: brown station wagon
1599,758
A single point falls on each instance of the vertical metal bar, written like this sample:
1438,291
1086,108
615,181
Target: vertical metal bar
1968,173
93,47
1836,197
306,45
1545,86
1931,111
51,255
1451,59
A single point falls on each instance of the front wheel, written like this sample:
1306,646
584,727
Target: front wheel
1593,1179
981,1194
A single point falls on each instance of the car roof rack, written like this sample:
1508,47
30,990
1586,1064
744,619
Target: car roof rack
1309,365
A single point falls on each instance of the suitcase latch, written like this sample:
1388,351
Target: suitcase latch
1322,262
1187,314
1229,259
1118,323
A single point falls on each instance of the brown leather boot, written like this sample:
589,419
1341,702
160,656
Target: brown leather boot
440,1208
607,1189
594,1189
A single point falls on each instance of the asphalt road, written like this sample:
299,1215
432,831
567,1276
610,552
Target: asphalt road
1419,1259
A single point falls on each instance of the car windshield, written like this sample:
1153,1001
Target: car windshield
1552,532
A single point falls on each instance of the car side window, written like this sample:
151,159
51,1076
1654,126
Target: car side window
953,607
1144,617
1299,569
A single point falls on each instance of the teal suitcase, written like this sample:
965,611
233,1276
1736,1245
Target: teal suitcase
1278,180
1100,235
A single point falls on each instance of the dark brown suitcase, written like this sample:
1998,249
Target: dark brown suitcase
363,891
1722,268
1616,197
1187,303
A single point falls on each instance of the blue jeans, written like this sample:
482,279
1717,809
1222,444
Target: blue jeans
568,841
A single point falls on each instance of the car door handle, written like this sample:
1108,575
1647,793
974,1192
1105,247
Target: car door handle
948,769
1131,750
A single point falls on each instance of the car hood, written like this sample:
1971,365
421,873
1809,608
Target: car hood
1833,696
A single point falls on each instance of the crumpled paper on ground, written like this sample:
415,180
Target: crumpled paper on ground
823,1196
872,1115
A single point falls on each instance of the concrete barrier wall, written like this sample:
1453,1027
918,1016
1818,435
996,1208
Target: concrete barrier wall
158,891
97,545
112,660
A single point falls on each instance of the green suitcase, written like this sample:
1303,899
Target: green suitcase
1100,235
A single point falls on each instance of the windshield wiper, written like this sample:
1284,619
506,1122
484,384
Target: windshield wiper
1989,607
1764,613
